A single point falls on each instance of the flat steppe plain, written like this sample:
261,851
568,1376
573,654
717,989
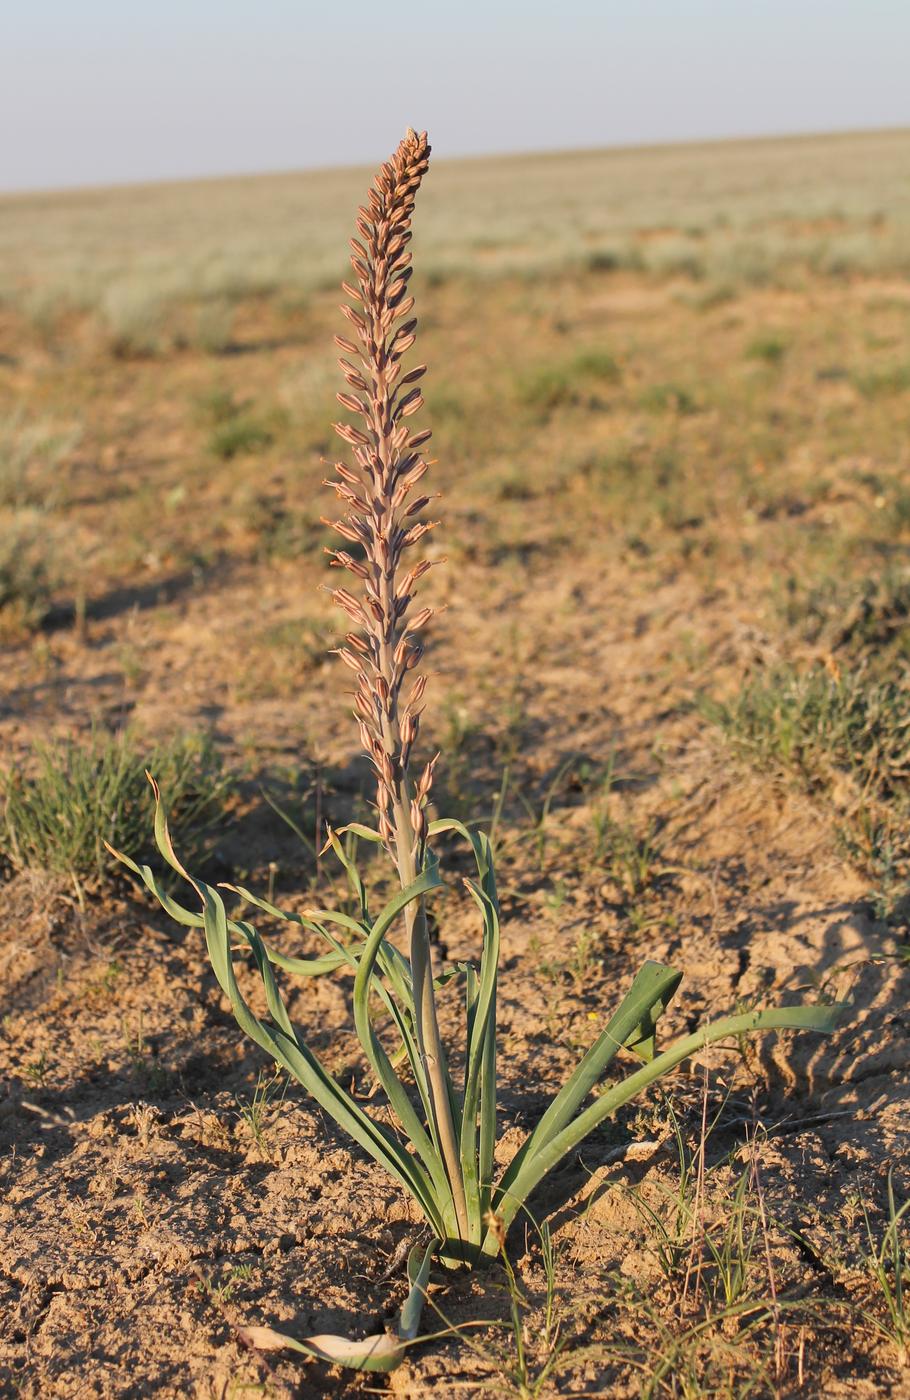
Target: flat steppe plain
669,390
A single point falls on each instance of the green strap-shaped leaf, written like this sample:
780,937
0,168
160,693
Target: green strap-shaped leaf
282,1043
306,967
478,842
365,955
479,1098
467,1151
487,1113
481,1031
654,986
535,1167
393,965
353,874
178,913
382,1067
287,916
418,1278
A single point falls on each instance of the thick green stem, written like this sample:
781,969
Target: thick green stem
429,1040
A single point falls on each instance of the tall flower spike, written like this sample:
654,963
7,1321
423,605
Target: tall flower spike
377,515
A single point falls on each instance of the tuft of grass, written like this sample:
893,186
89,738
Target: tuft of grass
245,433
257,1111
631,859
883,382
667,398
133,315
619,258
213,327
888,1265
867,621
74,795
846,737
824,723
32,456
770,348
720,294
572,383
29,570
677,256
221,1291
234,426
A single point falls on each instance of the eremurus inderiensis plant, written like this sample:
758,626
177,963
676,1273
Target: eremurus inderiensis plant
443,1151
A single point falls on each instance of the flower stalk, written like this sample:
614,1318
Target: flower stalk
380,516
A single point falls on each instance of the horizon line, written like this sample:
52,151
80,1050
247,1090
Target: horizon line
618,147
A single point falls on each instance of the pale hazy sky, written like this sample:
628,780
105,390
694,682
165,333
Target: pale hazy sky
95,91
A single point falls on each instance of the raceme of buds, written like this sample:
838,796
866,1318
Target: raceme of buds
375,490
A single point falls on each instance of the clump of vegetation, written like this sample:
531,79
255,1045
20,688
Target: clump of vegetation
32,456
29,570
888,1265
823,722
443,1150
667,398
577,381
884,381
73,796
866,621
235,426
769,348
133,318
213,326
846,736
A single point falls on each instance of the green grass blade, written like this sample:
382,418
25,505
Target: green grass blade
298,831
